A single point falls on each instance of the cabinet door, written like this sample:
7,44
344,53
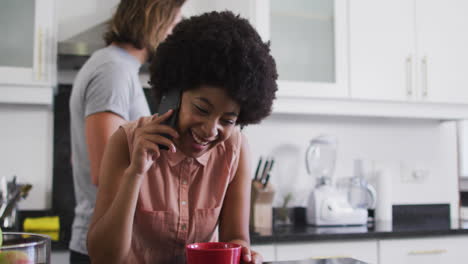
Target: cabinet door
28,40
365,250
309,43
267,251
423,250
441,28
382,49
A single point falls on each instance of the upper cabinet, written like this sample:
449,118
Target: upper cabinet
404,50
442,51
382,49
309,44
308,41
27,49
381,58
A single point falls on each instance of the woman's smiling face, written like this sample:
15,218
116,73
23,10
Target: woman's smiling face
207,117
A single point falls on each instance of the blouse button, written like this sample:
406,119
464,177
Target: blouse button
184,227
184,202
189,160
184,182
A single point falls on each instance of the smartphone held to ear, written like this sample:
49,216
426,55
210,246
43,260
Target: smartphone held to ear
170,100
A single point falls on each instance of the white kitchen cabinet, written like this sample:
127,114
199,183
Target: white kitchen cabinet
408,50
267,251
60,257
309,44
365,250
362,57
442,50
437,250
27,49
308,41
382,49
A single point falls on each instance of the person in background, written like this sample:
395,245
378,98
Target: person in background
107,93
152,202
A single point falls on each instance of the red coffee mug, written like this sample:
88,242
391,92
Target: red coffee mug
213,253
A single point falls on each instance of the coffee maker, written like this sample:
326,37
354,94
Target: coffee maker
327,206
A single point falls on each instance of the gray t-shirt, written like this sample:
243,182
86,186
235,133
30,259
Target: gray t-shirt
107,82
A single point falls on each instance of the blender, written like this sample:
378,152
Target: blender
327,206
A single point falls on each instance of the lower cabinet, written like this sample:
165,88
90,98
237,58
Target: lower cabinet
60,257
427,250
437,250
364,250
267,251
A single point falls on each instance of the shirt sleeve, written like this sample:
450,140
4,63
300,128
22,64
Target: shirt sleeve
109,91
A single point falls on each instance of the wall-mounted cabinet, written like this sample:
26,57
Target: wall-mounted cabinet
441,46
410,51
308,41
309,44
27,49
389,58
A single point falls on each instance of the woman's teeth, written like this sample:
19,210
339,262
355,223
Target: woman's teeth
198,140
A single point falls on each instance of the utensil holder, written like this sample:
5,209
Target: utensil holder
261,205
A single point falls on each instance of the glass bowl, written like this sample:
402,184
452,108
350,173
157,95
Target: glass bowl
25,248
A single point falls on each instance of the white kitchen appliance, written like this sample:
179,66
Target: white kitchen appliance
327,206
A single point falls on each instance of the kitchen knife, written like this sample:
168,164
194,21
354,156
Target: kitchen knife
272,161
258,169
264,171
267,178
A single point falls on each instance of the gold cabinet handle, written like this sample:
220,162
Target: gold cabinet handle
40,59
428,252
330,257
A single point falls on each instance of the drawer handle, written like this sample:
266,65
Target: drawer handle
330,257
427,252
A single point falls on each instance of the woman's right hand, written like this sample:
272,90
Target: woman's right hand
146,139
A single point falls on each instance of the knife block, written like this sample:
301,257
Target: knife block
261,205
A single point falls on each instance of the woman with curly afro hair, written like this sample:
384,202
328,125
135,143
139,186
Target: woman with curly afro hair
154,201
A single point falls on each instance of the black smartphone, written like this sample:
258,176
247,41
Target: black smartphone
170,100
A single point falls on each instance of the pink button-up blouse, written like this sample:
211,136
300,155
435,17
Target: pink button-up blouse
180,200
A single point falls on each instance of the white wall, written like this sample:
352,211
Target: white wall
26,145
398,146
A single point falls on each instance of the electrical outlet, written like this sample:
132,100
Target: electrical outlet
419,175
413,174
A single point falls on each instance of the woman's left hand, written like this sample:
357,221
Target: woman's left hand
250,256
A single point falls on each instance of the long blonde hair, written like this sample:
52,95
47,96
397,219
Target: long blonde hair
142,23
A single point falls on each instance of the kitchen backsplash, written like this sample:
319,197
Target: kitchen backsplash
420,156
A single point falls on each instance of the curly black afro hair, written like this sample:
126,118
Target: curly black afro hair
223,50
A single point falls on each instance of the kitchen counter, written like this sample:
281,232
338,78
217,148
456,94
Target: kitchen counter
304,233
320,261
